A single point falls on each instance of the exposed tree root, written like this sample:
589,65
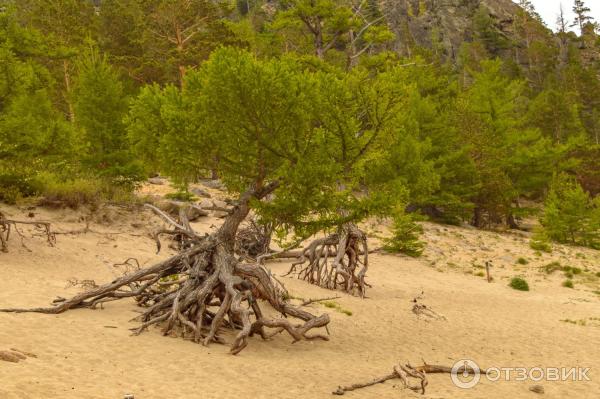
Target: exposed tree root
253,239
337,261
203,290
404,373
7,225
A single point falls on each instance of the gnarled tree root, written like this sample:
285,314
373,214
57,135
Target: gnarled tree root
404,372
253,239
203,290
339,261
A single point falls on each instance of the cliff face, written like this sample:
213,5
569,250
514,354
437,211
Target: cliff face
443,24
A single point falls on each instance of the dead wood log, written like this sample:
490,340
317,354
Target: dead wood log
404,372
338,261
211,290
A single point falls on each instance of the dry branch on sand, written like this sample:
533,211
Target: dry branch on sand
337,261
7,225
204,288
404,372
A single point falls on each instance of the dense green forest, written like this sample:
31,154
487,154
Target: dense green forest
334,99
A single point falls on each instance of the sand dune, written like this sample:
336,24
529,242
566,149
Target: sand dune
91,354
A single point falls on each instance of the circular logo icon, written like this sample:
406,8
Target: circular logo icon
465,374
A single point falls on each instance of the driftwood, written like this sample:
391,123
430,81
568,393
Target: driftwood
204,290
404,372
7,225
338,261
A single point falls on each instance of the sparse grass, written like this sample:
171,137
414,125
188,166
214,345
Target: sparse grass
519,284
568,283
540,245
337,307
480,274
574,270
552,267
184,196
598,274
522,261
581,322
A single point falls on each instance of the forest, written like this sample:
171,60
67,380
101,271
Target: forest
97,96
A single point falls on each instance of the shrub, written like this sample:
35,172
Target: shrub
571,215
405,236
552,267
518,283
14,185
568,274
78,191
69,193
568,283
522,261
540,242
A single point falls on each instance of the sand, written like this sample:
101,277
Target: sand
91,354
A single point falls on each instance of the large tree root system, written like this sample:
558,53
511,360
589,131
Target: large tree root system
338,261
204,289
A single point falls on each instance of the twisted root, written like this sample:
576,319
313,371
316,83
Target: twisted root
339,261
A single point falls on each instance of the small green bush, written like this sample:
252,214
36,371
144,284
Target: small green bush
571,214
568,283
568,274
518,283
552,267
598,274
540,242
14,185
522,261
405,236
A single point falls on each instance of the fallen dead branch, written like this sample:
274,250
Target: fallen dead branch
7,225
423,311
404,373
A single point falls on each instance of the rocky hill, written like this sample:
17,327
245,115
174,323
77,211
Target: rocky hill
448,23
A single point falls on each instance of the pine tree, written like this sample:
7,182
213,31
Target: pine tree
101,104
582,16
570,215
